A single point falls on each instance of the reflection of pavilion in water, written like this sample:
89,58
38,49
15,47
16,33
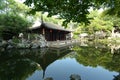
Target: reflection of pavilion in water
47,56
27,61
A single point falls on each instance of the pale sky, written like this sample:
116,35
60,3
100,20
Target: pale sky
20,1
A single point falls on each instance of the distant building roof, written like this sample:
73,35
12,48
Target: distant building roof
50,26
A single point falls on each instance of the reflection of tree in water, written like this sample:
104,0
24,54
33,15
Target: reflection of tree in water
72,77
115,64
15,67
19,64
90,56
117,77
50,55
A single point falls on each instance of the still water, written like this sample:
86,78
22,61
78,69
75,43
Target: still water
89,62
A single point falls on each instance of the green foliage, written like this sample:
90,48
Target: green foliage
2,5
13,6
76,35
113,9
12,25
98,22
113,19
13,19
69,10
45,18
72,10
16,40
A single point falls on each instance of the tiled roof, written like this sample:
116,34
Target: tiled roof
51,26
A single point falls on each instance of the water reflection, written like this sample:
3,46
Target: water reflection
91,56
19,64
60,64
15,66
117,77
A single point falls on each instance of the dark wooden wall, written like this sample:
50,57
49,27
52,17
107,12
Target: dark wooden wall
53,35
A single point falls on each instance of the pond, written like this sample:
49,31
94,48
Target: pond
88,62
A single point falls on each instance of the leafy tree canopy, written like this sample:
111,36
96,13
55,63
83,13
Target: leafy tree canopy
71,10
12,6
98,23
12,25
13,18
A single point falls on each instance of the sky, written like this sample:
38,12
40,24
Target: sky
20,1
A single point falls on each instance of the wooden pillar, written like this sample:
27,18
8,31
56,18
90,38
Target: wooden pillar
43,32
59,35
51,35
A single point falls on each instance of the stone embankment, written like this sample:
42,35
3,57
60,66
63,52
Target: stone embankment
24,43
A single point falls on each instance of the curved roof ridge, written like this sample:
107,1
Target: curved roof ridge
54,26
50,25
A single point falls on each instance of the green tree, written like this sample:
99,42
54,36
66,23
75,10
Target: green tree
115,20
74,10
45,18
71,10
11,6
13,19
98,22
2,6
12,25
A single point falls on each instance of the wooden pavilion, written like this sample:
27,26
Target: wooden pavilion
50,31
